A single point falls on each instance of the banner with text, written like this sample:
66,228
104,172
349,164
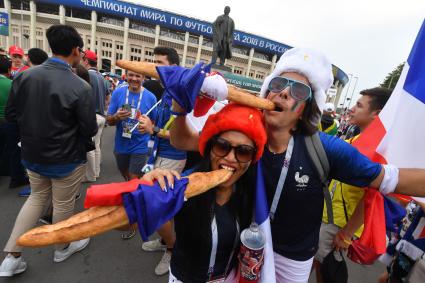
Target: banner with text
4,24
170,20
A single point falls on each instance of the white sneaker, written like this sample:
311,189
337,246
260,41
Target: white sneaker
70,250
12,265
164,265
154,246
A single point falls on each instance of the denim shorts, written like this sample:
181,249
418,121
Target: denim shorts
133,162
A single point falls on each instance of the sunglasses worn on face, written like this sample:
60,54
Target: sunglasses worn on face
298,90
243,152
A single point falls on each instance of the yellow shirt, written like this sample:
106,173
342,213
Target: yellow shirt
351,195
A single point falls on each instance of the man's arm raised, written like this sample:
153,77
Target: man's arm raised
182,136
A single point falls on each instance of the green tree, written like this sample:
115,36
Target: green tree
392,78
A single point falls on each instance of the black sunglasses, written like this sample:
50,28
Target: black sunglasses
243,152
298,90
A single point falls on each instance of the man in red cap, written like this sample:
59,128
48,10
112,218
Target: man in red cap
17,55
100,95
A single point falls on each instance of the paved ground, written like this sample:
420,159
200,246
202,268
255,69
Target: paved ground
107,258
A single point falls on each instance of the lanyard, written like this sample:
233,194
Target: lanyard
138,103
282,178
214,231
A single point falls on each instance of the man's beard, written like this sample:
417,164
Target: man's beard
134,87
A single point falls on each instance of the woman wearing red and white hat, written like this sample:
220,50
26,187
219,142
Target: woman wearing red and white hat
232,139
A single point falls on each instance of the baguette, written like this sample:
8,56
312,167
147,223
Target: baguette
201,182
242,97
144,68
100,219
234,94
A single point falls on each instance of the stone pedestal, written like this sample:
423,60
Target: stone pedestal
220,68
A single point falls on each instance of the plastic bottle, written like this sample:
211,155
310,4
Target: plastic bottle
251,254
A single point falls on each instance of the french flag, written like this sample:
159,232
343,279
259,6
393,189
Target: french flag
263,220
396,137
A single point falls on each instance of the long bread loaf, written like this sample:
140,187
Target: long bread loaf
100,219
234,94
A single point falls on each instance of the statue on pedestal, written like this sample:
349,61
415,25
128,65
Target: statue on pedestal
223,28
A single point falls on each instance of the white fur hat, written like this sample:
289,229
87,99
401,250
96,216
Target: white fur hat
308,62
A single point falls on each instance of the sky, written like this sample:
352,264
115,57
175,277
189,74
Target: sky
365,38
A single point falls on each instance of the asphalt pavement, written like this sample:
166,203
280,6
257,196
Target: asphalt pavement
107,258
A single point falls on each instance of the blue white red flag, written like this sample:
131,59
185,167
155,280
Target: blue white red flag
397,135
263,220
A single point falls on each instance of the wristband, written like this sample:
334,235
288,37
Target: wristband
343,238
390,181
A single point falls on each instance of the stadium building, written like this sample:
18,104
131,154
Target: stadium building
121,30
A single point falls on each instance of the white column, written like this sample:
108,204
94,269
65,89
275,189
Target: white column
251,55
114,56
62,14
198,54
45,42
125,40
274,59
143,54
33,19
186,41
93,31
157,32
8,9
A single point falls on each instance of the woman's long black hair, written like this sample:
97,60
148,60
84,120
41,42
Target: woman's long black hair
199,210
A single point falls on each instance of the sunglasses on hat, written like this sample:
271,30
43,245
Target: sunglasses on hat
243,152
298,90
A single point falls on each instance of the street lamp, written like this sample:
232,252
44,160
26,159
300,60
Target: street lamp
352,94
348,87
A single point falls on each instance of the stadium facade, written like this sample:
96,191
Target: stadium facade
121,30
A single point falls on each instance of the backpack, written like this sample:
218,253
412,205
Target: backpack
320,160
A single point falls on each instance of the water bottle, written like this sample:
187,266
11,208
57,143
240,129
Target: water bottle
251,254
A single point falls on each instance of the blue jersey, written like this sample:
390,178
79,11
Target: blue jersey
138,143
296,224
165,149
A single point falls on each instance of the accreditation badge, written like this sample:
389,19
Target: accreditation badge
127,127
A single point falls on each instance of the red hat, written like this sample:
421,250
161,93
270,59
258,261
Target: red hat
90,55
13,50
235,117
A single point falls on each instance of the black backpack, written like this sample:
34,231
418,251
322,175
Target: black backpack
318,156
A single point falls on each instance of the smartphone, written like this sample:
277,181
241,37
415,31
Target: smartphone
126,107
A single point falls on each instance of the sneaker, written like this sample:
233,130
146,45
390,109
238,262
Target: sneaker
164,265
12,265
70,250
154,246
25,192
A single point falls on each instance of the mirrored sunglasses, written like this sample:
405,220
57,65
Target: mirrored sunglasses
298,90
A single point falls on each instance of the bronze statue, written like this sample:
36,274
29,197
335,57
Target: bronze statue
223,28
